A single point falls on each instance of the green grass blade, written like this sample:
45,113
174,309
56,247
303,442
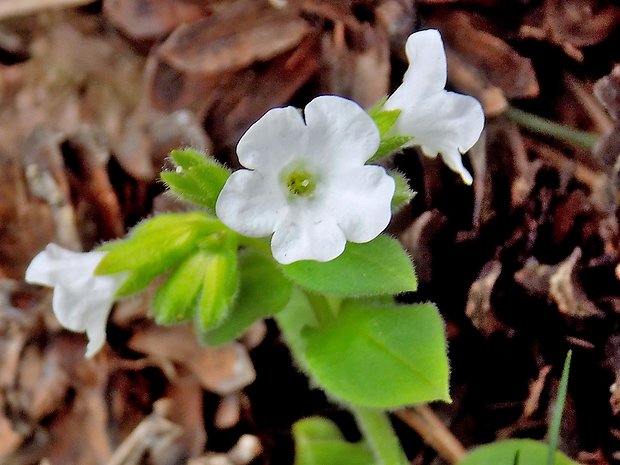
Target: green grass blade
554,428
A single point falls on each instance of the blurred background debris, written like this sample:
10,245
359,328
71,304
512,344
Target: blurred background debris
94,94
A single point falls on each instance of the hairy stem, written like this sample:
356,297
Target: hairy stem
535,123
378,431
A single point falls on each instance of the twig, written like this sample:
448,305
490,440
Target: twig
153,430
592,107
427,424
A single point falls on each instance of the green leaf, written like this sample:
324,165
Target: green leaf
503,453
175,301
383,356
219,286
159,241
263,292
385,119
377,107
389,145
189,158
138,280
292,320
378,267
198,177
403,194
319,442
556,421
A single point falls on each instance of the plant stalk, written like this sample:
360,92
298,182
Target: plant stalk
535,123
377,429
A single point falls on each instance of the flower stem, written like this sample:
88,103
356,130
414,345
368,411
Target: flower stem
378,431
535,123
261,244
321,307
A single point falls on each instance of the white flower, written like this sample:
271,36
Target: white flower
82,300
439,121
307,182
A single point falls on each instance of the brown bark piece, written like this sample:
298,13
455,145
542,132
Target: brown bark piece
44,168
248,448
580,22
232,39
559,283
244,98
417,239
20,212
150,136
152,19
607,90
185,410
572,24
567,292
11,9
493,59
363,76
222,370
11,439
86,153
479,308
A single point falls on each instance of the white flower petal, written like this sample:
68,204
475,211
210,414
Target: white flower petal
341,132
55,265
302,235
273,140
360,202
337,197
82,300
251,203
428,70
454,161
84,313
439,121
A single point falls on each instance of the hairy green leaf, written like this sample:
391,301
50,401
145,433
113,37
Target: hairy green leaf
385,119
530,452
155,246
378,267
197,178
403,194
377,107
389,145
219,288
158,241
263,292
383,356
319,442
175,301
292,320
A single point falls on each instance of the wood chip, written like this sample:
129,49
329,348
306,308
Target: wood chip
152,19
232,39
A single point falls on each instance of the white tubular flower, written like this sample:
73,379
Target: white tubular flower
82,300
439,121
307,183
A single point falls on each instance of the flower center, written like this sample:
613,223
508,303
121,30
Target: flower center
300,182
